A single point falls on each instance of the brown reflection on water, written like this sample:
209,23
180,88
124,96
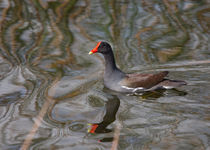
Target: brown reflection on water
49,102
203,18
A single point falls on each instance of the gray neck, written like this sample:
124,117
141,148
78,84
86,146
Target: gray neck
111,70
110,65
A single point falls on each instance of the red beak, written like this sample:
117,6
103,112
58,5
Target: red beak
92,128
95,49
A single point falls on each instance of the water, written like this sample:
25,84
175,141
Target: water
50,88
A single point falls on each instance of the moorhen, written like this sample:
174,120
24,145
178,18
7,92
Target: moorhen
112,106
117,80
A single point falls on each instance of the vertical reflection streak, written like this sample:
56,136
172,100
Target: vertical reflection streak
166,3
38,35
13,30
5,52
48,102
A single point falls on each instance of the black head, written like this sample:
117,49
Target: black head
102,47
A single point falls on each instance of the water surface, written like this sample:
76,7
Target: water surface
50,88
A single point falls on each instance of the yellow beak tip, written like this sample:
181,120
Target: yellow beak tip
90,53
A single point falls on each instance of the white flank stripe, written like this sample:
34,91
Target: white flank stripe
133,89
167,87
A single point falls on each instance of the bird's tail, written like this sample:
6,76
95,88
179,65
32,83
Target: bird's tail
169,84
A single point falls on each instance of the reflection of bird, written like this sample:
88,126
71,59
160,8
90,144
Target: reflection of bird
112,106
117,80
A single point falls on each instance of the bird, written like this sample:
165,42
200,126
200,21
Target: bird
112,106
119,81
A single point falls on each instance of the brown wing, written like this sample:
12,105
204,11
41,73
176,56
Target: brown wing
143,80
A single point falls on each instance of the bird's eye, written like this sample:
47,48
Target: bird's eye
102,45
